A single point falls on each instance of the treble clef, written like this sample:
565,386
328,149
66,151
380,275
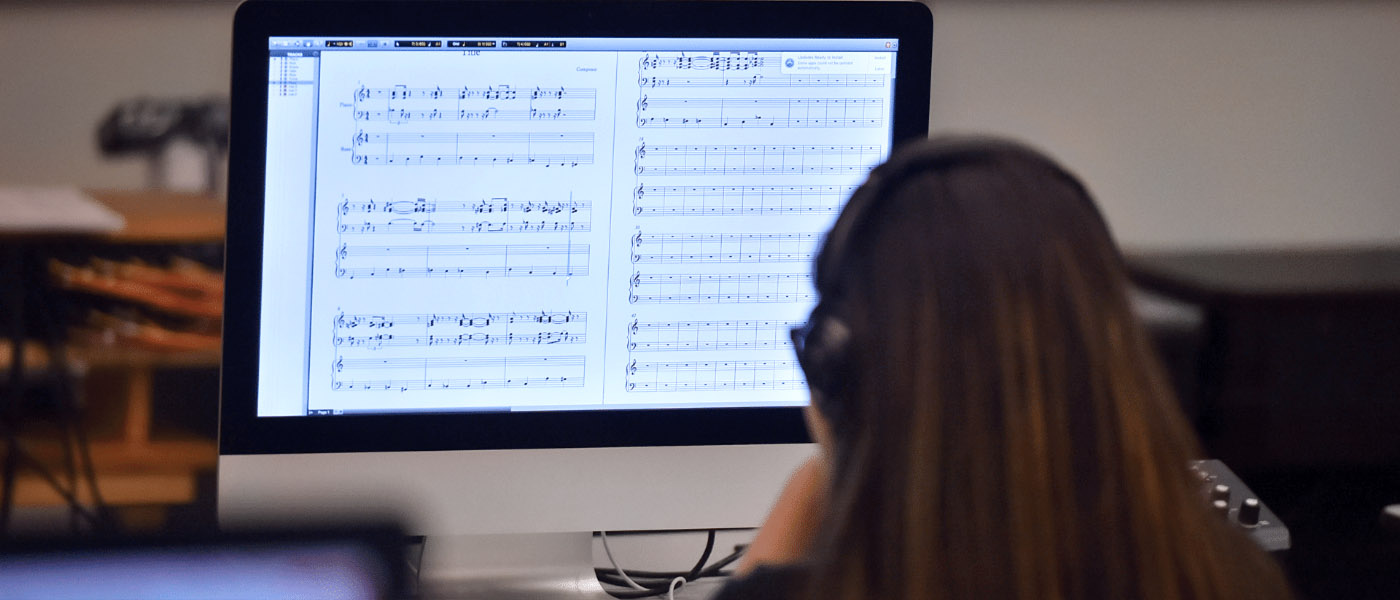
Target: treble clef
632,368
339,364
642,64
634,327
362,93
344,251
642,103
344,207
361,138
642,150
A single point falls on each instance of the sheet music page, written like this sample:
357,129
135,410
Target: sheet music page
738,165
564,229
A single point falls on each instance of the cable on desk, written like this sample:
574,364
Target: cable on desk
607,549
713,571
658,586
20,454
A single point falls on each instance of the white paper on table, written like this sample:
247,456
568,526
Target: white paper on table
54,209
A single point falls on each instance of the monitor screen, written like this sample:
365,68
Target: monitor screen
506,224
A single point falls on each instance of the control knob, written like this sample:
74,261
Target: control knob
1249,512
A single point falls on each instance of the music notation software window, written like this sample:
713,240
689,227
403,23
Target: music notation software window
552,224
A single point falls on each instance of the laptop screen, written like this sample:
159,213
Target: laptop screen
512,224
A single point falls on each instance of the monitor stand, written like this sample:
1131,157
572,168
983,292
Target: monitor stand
533,566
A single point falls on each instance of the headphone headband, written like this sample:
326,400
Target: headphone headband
823,354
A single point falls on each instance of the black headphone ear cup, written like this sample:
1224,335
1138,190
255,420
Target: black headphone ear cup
826,361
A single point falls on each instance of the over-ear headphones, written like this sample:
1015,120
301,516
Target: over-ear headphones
823,344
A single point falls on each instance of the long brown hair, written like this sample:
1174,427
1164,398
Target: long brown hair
1001,427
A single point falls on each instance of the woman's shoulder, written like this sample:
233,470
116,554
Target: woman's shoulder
767,583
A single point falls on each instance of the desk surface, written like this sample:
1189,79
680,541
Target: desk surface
155,217
1332,274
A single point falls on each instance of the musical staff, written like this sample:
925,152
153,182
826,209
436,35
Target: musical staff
401,104
760,112
724,288
484,260
494,205
681,376
491,113
729,62
754,160
763,81
696,248
473,320
421,363
373,332
663,336
455,373
388,217
402,226
474,149
736,200
459,383
499,92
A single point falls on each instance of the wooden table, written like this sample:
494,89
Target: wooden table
133,468
1301,355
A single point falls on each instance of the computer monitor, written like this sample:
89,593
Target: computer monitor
527,267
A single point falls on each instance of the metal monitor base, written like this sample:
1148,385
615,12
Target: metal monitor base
538,566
